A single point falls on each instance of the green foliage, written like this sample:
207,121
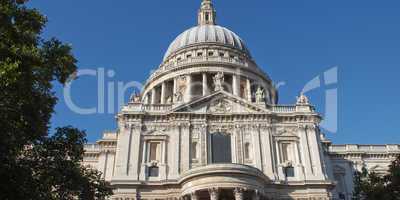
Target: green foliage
34,165
371,186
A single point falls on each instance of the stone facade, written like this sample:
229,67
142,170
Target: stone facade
208,126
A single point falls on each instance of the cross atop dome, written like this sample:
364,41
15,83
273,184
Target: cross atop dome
207,14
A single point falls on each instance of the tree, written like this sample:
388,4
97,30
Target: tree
34,165
393,179
371,186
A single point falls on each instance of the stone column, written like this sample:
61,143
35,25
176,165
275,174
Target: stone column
188,92
153,96
316,152
205,85
185,197
185,146
175,140
235,85
134,154
194,196
175,87
248,88
256,195
122,154
214,193
163,92
268,154
255,132
306,154
238,192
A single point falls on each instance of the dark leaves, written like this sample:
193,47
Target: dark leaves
371,186
32,164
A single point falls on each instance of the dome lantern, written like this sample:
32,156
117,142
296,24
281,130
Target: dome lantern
207,14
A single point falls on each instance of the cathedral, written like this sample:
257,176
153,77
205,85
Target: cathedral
208,126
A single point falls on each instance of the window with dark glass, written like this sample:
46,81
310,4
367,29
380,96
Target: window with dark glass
247,150
194,150
289,171
221,148
153,172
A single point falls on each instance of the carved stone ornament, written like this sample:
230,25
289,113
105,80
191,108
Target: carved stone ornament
135,98
178,97
303,100
218,81
169,100
286,131
220,106
260,95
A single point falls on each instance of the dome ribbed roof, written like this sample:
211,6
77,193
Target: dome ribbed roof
207,34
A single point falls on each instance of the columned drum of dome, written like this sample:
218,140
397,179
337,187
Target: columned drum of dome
208,126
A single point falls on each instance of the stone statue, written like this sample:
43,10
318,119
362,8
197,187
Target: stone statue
169,100
218,81
178,97
135,98
303,99
260,97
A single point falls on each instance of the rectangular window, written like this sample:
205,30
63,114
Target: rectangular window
153,172
221,148
289,172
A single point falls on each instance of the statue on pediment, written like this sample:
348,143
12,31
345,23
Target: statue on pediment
218,81
178,97
135,98
303,100
260,97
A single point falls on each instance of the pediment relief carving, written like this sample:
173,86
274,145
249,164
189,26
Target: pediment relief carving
220,103
220,106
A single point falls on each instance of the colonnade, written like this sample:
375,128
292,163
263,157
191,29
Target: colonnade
187,87
216,194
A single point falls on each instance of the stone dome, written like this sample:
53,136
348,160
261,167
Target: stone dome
207,34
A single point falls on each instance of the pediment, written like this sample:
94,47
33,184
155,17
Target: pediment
220,103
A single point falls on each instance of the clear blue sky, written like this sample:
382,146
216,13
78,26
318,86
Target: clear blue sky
293,41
